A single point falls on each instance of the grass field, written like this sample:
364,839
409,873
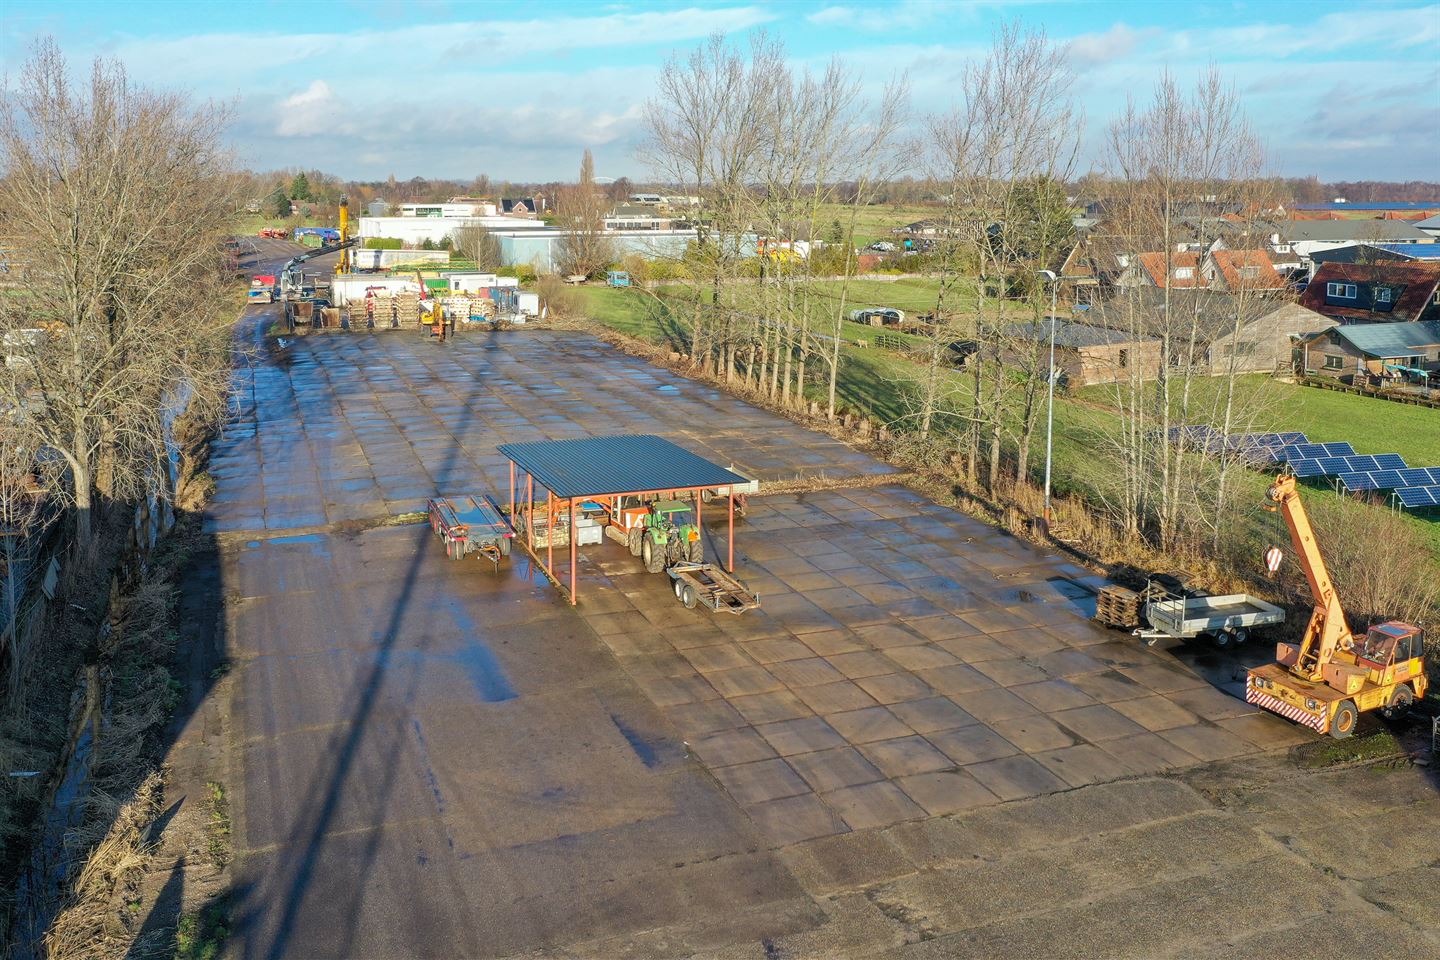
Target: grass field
873,222
882,383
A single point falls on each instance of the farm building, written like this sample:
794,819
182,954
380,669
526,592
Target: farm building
1245,333
1374,349
1086,354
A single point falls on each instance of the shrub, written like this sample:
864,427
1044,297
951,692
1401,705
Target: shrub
384,243
523,272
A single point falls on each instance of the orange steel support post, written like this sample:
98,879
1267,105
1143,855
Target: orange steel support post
512,494
530,510
730,537
573,579
550,533
699,523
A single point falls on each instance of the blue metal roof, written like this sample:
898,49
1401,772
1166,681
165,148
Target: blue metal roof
604,466
1420,251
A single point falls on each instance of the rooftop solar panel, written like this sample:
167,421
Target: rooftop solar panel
1419,496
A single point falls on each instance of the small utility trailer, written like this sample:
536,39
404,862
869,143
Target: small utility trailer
470,525
1226,619
708,585
741,491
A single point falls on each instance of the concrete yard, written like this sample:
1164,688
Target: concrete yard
920,746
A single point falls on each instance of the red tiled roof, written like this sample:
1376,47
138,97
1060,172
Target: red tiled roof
1230,263
1154,265
1418,280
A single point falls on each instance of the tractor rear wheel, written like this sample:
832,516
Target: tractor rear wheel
1343,723
1399,704
695,551
654,556
632,540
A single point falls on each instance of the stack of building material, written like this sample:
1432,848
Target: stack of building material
330,318
1119,607
407,311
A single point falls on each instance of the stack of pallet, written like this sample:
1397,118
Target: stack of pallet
1119,607
407,311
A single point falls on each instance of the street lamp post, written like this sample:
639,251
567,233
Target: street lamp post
1054,281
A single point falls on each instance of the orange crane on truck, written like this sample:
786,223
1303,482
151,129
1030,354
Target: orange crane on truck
1333,676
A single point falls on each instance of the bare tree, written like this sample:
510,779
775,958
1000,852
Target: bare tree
1187,177
1015,127
23,515
117,197
584,248
480,245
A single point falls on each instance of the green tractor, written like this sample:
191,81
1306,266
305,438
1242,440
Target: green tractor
667,534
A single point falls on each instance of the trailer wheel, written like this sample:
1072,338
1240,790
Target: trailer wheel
1241,635
654,557
1223,638
632,540
679,587
688,597
707,495
1399,704
1343,724
504,546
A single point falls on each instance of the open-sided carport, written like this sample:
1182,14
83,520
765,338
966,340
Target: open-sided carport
572,472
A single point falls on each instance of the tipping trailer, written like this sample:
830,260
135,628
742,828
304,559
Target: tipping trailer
708,585
470,525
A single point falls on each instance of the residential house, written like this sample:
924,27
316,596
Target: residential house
1307,236
1371,349
1087,354
1367,253
1246,333
1375,292
1178,271
1241,270
1430,225
522,206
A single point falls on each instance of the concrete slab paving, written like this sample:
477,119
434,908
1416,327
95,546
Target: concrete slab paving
918,690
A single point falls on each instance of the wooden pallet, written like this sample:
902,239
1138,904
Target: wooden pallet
1119,606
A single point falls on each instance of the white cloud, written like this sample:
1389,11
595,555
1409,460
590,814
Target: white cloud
1093,49
306,112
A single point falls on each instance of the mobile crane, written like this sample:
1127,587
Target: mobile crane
1332,676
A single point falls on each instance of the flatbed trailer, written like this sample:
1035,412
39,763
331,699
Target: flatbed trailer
708,585
1229,618
470,524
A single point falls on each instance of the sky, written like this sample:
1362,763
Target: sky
369,88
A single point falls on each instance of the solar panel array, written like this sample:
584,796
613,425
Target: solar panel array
1390,479
1412,487
1312,451
1361,463
1416,497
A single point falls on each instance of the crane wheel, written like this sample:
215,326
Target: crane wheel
1342,725
1399,704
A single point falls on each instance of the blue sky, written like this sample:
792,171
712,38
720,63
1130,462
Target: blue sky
366,88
